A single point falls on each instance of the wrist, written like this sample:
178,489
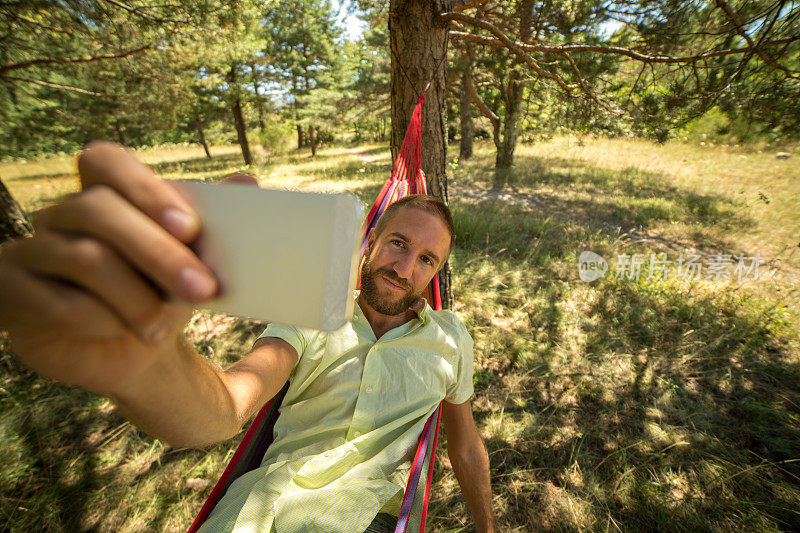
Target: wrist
164,363
180,398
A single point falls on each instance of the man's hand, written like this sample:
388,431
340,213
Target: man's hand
84,300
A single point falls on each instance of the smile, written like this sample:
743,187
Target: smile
392,284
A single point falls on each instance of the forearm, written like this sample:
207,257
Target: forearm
182,399
472,471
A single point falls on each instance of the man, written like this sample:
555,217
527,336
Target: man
84,303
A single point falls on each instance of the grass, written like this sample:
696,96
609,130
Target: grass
620,405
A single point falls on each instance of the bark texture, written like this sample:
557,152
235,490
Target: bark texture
418,43
465,112
300,137
13,222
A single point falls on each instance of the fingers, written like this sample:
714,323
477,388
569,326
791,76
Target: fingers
91,264
101,213
105,163
60,307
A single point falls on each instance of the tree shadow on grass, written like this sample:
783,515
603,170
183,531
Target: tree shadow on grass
195,164
368,193
70,462
680,413
328,152
628,201
375,150
350,170
679,409
44,176
46,428
218,164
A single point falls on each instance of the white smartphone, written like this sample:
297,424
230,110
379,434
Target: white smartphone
281,256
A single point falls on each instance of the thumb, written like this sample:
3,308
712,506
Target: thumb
240,177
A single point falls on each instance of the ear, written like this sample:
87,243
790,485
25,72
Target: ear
371,238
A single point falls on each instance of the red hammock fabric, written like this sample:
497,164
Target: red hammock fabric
407,178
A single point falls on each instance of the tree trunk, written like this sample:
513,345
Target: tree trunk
258,103
505,152
120,134
201,135
467,127
13,222
418,41
300,139
312,140
238,119
241,131
512,101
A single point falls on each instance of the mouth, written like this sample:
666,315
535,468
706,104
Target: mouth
392,284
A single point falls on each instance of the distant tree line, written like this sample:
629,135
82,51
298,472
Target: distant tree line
142,73
251,72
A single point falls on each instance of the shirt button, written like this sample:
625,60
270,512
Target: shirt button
357,434
369,389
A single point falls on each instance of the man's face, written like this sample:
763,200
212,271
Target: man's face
402,260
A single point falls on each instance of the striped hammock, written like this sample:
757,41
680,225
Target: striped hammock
407,178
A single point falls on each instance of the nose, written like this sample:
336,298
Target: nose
404,267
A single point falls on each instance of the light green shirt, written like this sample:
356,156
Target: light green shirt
349,424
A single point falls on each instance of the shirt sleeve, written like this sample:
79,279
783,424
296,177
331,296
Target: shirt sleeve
298,338
462,389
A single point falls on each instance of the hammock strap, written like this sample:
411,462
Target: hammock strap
415,504
408,78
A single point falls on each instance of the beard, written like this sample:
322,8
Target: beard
369,289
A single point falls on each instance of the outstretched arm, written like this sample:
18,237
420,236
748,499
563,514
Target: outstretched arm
85,302
187,400
470,462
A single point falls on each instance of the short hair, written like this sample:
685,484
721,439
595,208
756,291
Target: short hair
424,202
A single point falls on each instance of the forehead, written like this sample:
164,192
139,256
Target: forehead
423,229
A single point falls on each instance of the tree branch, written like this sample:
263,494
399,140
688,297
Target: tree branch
137,11
54,85
66,60
488,113
479,39
463,5
586,89
737,23
516,48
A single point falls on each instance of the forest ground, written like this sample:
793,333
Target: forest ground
617,405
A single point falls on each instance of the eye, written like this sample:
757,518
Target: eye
397,242
427,260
